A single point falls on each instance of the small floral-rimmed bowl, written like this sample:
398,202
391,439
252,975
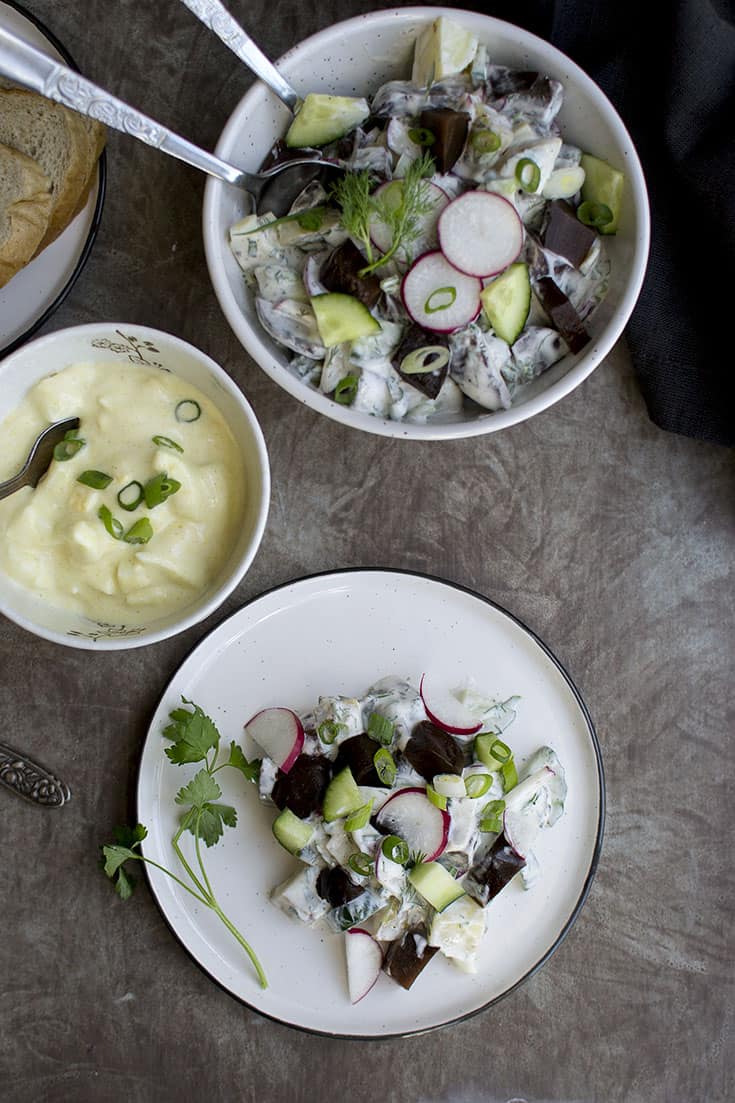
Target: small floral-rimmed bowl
119,343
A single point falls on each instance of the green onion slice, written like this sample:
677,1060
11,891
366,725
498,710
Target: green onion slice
477,785
509,775
594,214
440,299
422,136
158,489
485,141
166,442
346,389
187,411
501,751
328,731
140,532
359,818
113,526
385,766
96,479
528,174
380,729
130,496
430,358
69,446
491,817
436,798
395,849
360,863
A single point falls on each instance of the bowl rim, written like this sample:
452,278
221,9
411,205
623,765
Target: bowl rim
199,611
492,422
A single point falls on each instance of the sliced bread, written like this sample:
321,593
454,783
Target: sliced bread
58,140
25,208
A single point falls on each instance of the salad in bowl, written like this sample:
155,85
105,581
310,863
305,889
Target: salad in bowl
456,266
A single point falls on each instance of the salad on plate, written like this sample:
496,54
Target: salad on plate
456,253
408,814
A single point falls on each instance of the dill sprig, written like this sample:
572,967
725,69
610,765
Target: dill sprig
401,209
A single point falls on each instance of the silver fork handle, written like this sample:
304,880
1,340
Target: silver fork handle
19,61
214,15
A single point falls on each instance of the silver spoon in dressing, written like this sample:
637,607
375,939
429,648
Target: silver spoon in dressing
39,457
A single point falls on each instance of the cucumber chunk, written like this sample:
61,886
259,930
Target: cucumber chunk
342,796
435,884
292,833
342,318
507,301
602,184
321,119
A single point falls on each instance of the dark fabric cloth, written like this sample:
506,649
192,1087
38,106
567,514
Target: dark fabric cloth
669,69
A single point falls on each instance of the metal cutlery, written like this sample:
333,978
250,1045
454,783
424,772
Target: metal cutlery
27,779
21,62
39,457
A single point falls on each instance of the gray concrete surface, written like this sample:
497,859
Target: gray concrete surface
611,539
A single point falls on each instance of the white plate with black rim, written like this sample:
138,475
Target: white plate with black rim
34,293
337,633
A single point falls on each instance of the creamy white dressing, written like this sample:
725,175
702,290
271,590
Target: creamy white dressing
53,540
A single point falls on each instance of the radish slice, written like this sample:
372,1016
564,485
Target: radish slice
480,233
426,234
437,296
279,733
364,962
423,827
444,710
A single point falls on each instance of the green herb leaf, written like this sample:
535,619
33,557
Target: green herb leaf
130,836
237,759
124,884
403,218
310,219
212,822
201,789
114,857
193,735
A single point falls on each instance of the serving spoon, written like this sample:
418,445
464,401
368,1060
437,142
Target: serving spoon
29,66
39,457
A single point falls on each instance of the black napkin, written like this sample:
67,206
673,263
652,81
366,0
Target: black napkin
669,69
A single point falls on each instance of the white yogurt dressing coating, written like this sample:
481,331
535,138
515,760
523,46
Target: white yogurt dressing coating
53,541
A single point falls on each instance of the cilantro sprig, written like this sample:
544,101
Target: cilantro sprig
194,738
401,211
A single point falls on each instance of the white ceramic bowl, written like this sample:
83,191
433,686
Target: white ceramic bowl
356,57
116,343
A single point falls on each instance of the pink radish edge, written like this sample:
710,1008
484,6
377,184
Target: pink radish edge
419,316
370,962
452,241
378,241
452,729
445,819
292,744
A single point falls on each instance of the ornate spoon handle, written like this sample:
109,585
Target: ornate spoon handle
214,15
30,66
24,777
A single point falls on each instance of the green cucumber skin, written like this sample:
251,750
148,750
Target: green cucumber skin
322,119
342,796
291,832
436,885
341,318
508,319
602,184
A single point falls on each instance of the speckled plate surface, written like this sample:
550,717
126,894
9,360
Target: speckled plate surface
338,633
34,293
